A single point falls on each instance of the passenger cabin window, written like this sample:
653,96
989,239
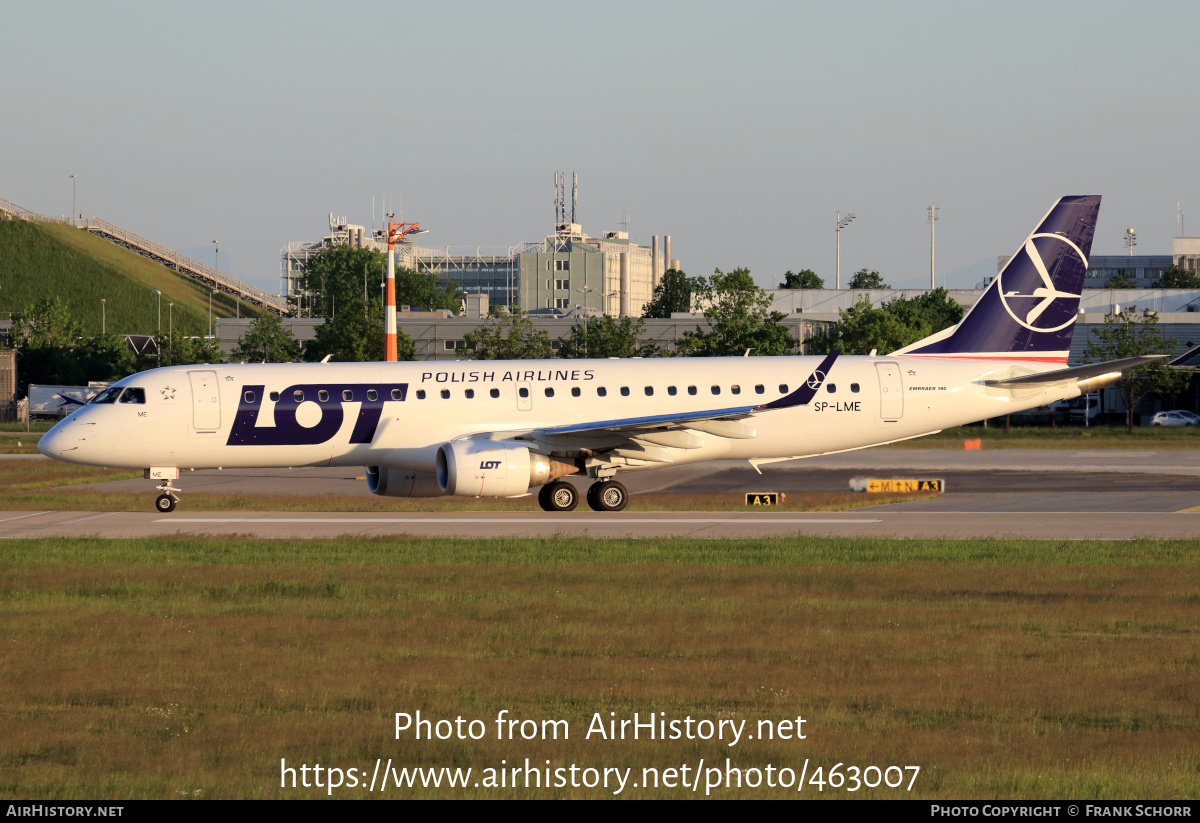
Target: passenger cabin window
735,389
347,395
323,395
445,394
109,395
691,389
470,394
601,392
420,394
649,391
854,388
396,395
575,391
716,389
783,388
549,392
624,391
299,396
831,387
131,395
248,397
671,390
274,396
495,392
760,388
523,392
372,395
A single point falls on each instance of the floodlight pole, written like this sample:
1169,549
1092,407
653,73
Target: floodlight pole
933,216
103,317
72,200
841,224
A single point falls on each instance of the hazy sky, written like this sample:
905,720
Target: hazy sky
738,129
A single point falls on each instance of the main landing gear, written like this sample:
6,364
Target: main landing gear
168,498
602,496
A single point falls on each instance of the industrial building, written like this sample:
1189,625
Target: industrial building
567,269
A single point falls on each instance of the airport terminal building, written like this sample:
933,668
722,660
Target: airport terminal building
564,271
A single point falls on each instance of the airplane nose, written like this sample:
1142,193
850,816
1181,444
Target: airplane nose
69,440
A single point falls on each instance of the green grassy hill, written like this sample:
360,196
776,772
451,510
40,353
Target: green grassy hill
41,260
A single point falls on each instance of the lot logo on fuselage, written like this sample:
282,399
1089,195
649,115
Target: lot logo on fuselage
329,398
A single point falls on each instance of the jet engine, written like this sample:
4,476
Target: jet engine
490,468
399,483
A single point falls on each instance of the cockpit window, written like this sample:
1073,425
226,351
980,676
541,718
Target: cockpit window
134,395
109,395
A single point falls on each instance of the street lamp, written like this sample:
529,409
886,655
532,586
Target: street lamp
210,326
1130,240
103,317
841,224
72,200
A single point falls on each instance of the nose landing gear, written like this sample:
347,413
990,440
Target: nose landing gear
168,498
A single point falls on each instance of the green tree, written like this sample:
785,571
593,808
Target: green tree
607,337
805,279
1177,277
47,323
106,357
1130,334
672,294
894,325
508,338
339,275
864,279
355,335
739,317
180,350
1122,280
266,341
46,336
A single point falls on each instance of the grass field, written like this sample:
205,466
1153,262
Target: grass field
42,260
188,667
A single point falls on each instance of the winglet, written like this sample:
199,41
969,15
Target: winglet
803,395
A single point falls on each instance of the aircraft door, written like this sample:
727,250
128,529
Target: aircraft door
206,401
891,391
524,396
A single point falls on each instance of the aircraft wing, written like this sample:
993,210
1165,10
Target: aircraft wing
1076,372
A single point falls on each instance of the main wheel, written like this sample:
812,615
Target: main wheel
607,496
165,503
558,496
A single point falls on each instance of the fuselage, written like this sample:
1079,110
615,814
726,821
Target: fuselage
397,414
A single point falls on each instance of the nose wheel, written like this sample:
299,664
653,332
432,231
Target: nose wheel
168,499
607,496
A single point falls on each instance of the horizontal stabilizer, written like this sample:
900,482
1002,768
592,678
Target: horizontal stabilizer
1077,372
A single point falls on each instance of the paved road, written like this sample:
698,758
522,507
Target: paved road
1031,493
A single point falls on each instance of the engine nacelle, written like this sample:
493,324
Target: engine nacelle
489,468
399,483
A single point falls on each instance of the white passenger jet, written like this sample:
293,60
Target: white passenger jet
501,429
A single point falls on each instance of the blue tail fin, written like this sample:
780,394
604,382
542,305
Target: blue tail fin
1028,312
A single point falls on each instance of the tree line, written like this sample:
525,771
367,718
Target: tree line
738,319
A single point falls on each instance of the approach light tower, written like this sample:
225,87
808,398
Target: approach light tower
396,233
1130,240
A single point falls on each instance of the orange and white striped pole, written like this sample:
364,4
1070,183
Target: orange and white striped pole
389,328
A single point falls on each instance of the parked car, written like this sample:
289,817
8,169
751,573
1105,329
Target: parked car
1177,417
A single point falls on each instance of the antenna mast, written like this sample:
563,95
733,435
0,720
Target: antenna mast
574,193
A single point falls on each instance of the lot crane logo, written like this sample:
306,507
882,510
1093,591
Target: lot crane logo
816,379
1016,303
